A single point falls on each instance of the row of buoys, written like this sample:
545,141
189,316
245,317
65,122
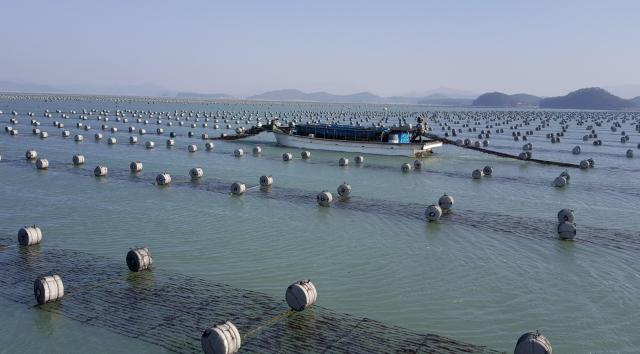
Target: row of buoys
325,198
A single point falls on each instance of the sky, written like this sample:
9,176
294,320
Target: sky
340,46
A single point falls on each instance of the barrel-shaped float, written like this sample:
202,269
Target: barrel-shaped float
48,289
139,259
301,295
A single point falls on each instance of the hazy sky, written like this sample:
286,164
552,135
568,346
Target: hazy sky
386,47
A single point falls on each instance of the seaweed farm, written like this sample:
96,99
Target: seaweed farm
230,224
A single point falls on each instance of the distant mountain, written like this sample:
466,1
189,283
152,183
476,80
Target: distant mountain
297,95
636,101
499,99
11,86
587,98
203,96
444,92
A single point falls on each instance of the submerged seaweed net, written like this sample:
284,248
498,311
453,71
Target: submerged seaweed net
171,310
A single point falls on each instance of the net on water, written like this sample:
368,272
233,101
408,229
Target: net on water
171,310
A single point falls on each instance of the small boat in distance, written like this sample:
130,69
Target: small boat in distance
407,140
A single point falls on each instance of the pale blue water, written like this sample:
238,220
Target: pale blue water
488,273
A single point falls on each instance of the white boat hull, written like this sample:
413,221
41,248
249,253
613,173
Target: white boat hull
363,147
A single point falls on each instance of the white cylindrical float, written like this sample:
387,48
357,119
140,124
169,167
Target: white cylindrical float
31,155
257,150
100,171
48,289
238,188
29,235
406,167
170,142
112,141
559,182
238,152
567,230
324,198
344,190
487,170
44,135
149,144
163,179
196,172
433,212
139,259
78,160
446,202
301,295
42,164
417,164
287,156
133,139
343,161
359,160
266,181
208,146
135,166
192,148
222,338
305,155
477,174
566,215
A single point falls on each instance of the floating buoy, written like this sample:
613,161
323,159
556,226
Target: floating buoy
566,175
139,259
14,132
112,141
238,188
417,164
44,135
446,202
305,155
208,146
192,148
170,142
576,150
301,295
566,215
133,140
487,170
223,338
343,161
584,164
196,172
100,171
630,153
78,160
135,166
149,144
324,198
266,181
65,133
560,182
97,136
287,156
591,162
163,179
567,230
433,212
31,155
359,160
532,343
257,150
42,164
406,167
344,190
238,152
48,289
29,235
477,174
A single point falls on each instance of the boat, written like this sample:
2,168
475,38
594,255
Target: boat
407,140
